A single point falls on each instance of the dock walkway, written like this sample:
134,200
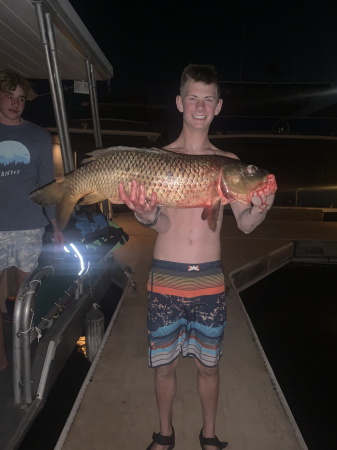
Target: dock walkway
116,407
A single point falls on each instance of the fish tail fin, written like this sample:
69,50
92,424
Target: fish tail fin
211,214
53,194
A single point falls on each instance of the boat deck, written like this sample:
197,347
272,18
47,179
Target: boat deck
116,406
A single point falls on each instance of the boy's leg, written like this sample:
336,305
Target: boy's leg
165,381
20,276
10,301
208,390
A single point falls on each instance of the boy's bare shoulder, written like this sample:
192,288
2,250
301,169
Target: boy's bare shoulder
219,152
174,147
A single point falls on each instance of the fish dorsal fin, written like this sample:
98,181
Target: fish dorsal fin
108,151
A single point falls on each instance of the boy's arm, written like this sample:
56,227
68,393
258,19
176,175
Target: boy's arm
248,217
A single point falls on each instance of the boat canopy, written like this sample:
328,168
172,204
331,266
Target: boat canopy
46,39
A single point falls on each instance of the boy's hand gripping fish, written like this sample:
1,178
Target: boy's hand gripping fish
180,181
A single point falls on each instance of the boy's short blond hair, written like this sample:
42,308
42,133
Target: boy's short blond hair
10,80
205,74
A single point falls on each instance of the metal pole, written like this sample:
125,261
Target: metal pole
53,73
94,103
68,161
45,370
44,40
22,333
17,377
25,337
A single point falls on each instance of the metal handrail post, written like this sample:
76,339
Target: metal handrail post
25,332
48,42
296,195
45,43
45,370
68,161
17,381
94,103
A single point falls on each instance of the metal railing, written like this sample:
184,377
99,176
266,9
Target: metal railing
24,332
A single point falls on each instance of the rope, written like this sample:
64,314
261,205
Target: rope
37,281
45,267
31,322
39,334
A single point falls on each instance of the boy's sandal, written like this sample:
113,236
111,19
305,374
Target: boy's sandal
163,440
211,441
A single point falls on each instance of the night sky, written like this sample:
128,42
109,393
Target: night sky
149,43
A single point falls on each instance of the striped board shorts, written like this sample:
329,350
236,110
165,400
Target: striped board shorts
186,312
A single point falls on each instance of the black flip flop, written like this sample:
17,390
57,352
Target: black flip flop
211,441
163,440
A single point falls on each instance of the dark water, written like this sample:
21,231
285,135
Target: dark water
46,429
294,312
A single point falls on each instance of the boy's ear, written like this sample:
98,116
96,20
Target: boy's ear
179,103
218,107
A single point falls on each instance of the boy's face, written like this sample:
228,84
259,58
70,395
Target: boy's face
12,104
199,102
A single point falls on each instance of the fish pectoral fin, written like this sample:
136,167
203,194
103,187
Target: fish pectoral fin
93,197
211,213
205,212
64,210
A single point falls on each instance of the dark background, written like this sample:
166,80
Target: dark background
149,43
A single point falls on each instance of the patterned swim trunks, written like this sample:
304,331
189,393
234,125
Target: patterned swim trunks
21,249
186,312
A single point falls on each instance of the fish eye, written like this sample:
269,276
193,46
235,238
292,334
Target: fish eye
251,169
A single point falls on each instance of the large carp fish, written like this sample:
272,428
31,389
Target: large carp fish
180,181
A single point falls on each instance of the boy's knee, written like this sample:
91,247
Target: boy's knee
204,370
166,370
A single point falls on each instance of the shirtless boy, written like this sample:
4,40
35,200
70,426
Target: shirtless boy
185,250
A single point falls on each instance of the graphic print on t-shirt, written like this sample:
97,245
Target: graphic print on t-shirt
13,155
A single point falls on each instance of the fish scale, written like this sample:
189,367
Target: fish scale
179,180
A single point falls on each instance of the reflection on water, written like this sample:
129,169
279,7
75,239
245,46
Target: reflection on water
294,312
